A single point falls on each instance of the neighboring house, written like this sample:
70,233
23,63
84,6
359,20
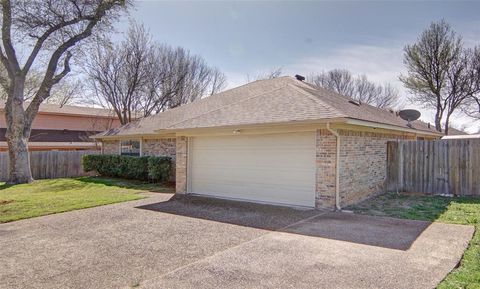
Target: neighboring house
462,136
276,141
64,128
455,132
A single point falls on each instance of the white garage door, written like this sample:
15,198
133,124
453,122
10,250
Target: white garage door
276,168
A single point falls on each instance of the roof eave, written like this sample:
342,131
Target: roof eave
132,136
254,125
391,127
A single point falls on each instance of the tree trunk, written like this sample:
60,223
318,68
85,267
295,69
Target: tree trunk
17,135
19,161
438,122
447,123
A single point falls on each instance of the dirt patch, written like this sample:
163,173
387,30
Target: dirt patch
4,202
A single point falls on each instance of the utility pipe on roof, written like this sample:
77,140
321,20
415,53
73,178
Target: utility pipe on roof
337,167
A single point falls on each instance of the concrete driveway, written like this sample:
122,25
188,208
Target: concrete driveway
202,243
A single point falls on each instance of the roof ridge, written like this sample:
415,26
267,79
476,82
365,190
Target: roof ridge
224,106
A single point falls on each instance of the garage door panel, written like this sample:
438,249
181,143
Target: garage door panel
297,177
269,168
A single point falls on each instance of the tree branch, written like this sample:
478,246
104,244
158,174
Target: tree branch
7,38
66,69
41,40
47,82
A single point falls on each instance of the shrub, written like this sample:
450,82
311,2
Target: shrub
157,169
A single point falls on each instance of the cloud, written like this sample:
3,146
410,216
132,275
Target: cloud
380,63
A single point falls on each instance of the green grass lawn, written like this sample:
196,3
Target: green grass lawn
442,209
45,197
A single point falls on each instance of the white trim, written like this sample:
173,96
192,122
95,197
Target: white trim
462,136
390,127
337,167
188,189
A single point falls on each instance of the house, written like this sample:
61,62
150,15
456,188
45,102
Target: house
278,141
461,136
456,132
63,128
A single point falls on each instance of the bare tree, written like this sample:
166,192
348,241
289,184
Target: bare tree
47,34
358,87
139,75
471,105
439,72
273,73
118,73
65,92
338,80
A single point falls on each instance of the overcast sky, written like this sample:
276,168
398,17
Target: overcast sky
304,37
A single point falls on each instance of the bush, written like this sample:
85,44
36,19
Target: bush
157,169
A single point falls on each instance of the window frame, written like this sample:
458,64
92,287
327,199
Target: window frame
134,154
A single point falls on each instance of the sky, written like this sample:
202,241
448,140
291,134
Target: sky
251,37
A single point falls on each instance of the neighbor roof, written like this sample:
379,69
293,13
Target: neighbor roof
278,100
454,131
47,108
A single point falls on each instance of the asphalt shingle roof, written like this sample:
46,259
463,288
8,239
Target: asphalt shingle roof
70,110
278,100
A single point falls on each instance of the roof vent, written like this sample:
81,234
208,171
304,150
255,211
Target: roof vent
299,77
354,102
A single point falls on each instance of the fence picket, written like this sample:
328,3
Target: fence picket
435,167
50,164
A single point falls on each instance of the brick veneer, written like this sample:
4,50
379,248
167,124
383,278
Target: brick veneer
110,147
181,165
363,160
150,147
159,147
325,175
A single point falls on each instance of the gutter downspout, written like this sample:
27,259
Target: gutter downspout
337,167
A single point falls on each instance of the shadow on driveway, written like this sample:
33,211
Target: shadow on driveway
368,230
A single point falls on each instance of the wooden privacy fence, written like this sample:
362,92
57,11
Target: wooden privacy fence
50,164
443,167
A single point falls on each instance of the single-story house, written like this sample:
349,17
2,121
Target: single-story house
64,127
278,141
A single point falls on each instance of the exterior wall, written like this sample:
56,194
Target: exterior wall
70,122
325,176
150,147
159,147
181,165
363,164
110,147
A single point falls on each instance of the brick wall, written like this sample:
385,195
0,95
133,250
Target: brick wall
159,147
325,176
110,147
363,160
151,147
181,165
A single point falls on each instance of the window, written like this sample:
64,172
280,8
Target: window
130,148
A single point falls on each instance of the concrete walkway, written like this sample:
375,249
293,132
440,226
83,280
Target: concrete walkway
201,243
